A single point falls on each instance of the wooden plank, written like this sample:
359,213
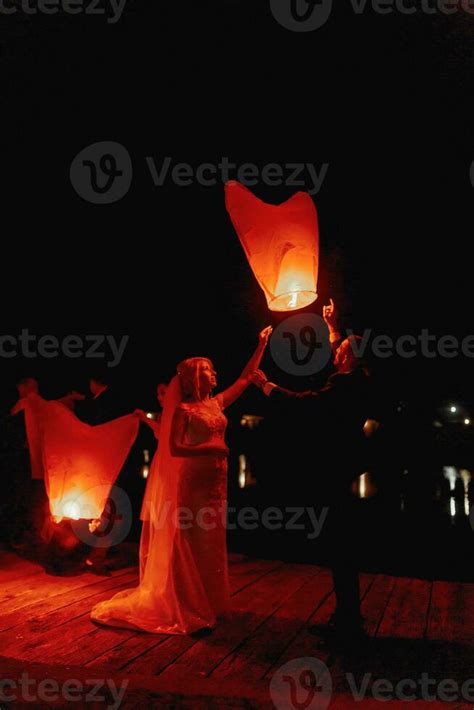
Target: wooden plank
160,657
126,651
46,637
324,612
85,588
253,605
242,573
277,617
451,616
406,613
308,643
84,641
260,651
305,643
11,564
246,573
67,607
45,587
74,604
13,585
451,631
147,691
375,602
82,647
399,650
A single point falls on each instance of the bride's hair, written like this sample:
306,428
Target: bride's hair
189,371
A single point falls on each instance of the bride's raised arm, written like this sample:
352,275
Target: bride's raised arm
232,393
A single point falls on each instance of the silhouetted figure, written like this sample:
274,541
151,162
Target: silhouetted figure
155,423
31,492
101,405
54,544
334,458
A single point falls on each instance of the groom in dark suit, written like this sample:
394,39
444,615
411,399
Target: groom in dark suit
339,411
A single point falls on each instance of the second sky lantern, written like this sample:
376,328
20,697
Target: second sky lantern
281,243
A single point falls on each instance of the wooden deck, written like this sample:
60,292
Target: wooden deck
414,627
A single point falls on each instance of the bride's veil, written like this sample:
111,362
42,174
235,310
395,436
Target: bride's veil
159,509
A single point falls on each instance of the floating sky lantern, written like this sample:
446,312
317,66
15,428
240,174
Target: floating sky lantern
281,243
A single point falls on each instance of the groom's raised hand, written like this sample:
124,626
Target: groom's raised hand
330,315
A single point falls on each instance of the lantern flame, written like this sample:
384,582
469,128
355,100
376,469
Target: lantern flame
71,510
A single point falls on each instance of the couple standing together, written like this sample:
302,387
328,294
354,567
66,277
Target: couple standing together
184,586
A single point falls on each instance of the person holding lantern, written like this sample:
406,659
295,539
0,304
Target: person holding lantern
184,585
341,409
75,464
40,532
154,422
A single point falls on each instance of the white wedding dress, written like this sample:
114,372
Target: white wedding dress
184,583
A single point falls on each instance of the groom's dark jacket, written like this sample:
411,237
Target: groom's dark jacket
332,447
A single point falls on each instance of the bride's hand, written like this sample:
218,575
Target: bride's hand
264,335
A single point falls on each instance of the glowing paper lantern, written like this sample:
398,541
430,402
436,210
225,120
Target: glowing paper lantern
281,243
80,462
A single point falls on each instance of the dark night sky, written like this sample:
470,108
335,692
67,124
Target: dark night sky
385,100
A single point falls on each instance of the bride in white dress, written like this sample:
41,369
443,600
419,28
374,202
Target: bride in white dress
184,583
